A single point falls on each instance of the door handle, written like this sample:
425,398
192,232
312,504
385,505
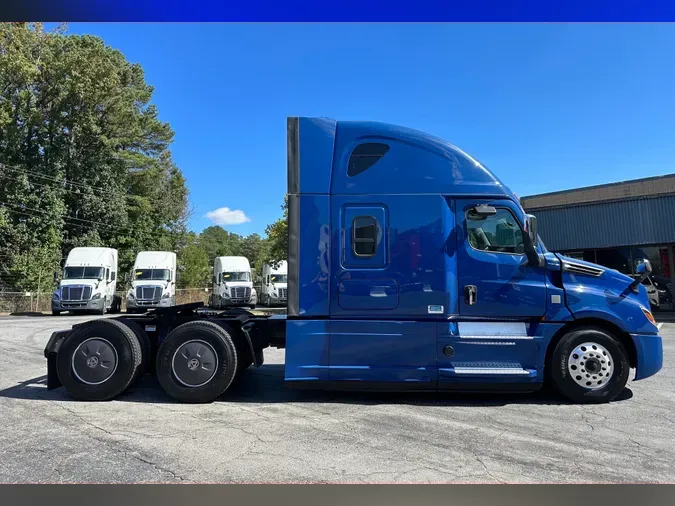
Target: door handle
470,294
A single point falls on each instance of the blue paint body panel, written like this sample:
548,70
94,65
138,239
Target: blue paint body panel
395,311
314,259
649,349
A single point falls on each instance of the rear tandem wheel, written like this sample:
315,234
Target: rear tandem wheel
99,360
197,362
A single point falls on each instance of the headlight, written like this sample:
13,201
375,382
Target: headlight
56,296
226,295
130,295
649,315
96,296
166,295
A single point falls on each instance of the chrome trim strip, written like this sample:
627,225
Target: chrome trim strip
504,336
508,371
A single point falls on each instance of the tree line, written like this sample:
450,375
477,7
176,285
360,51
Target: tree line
85,160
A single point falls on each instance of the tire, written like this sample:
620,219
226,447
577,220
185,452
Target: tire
252,306
116,305
582,385
102,311
56,313
215,341
122,344
146,347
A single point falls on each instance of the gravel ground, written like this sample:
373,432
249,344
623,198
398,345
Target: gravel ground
261,432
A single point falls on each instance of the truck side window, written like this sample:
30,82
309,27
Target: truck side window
364,236
107,274
499,233
365,156
113,276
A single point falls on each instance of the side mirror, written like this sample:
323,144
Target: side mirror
531,228
56,277
530,241
213,279
642,269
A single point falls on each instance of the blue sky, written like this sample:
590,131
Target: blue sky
546,107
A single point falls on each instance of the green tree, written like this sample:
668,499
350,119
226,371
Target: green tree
193,264
277,237
84,156
217,242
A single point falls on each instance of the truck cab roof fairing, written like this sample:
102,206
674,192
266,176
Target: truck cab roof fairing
414,162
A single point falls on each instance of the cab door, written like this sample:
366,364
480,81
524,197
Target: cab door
495,280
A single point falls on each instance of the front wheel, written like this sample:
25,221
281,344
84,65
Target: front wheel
589,366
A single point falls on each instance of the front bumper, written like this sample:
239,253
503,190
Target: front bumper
275,299
78,305
150,304
649,354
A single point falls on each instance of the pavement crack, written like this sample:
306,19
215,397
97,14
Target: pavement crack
158,467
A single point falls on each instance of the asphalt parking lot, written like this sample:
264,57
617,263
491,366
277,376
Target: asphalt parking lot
260,432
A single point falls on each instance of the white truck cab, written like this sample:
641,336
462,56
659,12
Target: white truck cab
88,283
274,284
153,281
232,283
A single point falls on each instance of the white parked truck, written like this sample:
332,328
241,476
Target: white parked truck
232,283
89,282
274,289
153,281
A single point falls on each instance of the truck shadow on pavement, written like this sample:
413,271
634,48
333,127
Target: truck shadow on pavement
265,386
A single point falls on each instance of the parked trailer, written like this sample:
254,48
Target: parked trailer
410,267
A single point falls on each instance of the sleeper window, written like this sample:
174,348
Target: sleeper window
365,156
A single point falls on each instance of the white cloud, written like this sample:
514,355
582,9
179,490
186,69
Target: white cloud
227,216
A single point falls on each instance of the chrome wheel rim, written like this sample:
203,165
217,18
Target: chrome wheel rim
194,363
590,365
94,361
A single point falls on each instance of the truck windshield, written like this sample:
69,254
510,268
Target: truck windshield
236,276
279,278
83,273
153,274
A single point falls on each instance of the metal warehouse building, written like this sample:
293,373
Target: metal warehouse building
614,225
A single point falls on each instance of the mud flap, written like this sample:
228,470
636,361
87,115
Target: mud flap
51,351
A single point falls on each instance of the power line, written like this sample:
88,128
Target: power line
112,192
22,210
14,168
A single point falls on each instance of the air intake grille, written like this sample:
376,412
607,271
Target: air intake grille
575,268
241,292
148,292
73,293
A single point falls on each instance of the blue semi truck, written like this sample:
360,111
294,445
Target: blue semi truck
411,266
